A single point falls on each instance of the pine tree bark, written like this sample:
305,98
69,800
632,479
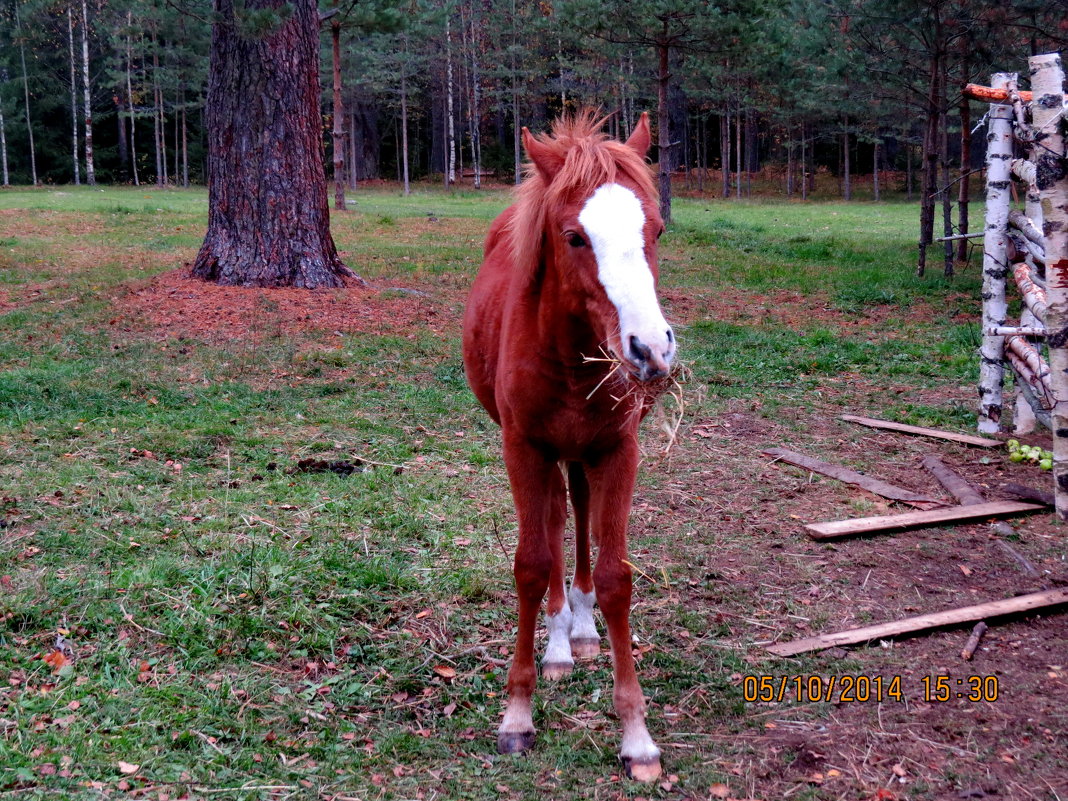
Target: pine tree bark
930,163
268,216
90,168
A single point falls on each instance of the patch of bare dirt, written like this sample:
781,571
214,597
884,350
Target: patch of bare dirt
175,304
736,520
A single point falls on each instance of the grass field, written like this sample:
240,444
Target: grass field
232,626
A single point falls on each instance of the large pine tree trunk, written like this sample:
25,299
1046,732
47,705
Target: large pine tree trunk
268,216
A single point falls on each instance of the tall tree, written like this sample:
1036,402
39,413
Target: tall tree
268,216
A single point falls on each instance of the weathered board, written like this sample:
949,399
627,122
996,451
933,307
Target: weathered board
850,477
952,514
967,439
950,617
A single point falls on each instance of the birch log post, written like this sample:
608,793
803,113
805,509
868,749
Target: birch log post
995,264
1047,113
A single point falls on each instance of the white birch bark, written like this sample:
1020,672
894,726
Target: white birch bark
476,106
73,100
130,97
995,262
3,150
90,169
1047,114
26,96
450,159
404,121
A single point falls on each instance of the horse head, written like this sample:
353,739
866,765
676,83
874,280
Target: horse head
601,227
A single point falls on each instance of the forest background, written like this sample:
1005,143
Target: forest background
114,92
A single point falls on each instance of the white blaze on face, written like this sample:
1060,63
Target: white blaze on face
614,223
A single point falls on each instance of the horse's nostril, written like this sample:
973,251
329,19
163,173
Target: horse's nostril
670,336
639,351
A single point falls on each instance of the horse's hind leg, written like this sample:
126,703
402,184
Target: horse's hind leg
585,642
557,661
531,476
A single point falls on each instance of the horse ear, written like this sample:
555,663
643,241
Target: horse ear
641,138
547,161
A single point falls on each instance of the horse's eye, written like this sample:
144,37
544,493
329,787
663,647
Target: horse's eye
660,233
575,240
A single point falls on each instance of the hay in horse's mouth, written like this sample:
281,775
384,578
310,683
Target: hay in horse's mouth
649,394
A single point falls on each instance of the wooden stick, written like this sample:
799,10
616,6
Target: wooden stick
849,476
960,489
953,514
1022,560
1034,296
973,641
966,439
988,95
951,617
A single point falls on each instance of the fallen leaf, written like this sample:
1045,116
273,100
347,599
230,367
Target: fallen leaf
127,768
719,791
445,671
449,709
56,660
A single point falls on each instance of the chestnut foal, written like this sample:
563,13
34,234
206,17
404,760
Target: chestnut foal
570,272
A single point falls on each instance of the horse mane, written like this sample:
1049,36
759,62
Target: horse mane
589,160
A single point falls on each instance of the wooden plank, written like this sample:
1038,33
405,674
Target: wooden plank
849,476
951,617
966,439
952,514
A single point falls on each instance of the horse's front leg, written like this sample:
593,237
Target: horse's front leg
531,476
612,487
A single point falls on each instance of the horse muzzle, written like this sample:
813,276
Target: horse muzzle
650,358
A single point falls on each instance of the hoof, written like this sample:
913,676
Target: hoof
553,671
642,770
514,742
585,648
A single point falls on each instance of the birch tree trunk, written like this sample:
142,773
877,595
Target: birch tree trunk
90,169
450,123
26,96
663,126
875,170
73,100
995,262
847,187
338,127
157,118
476,106
515,100
1047,111
130,98
3,151
725,151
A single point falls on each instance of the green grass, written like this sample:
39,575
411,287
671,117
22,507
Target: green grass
239,625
